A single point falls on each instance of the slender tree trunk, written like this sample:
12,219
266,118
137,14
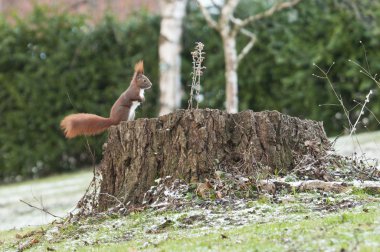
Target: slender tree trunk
228,27
231,65
172,14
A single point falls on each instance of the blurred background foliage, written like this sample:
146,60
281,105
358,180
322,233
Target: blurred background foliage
53,64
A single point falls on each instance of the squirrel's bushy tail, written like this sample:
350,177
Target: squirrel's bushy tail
84,124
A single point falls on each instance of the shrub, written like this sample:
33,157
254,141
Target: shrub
55,64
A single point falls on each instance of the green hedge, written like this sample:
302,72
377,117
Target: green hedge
55,64
277,73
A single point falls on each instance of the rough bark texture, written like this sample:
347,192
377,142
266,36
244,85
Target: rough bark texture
192,144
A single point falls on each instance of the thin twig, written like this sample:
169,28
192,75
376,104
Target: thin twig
326,77
366,58
248,46
41,209
269,12
210,21
361,112
93,183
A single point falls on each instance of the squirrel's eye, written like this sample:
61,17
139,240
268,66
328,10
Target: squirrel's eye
144,80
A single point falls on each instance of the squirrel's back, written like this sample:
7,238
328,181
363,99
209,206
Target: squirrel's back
122,110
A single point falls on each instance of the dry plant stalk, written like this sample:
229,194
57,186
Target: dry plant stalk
198,58
363,70
353,130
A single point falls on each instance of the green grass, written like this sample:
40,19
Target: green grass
303,222
11,234
53,178
354,229
347,230
59,194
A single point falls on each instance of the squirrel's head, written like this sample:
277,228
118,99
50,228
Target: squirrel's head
141,80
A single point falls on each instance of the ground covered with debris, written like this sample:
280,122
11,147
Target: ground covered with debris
326,204
330,208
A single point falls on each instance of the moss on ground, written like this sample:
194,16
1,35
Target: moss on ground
257,226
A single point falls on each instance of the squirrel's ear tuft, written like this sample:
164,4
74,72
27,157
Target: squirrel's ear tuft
139,67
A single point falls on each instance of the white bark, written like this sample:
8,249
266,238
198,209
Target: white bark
172,14
231,65
229,27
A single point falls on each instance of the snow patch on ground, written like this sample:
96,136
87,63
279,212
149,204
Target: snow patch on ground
364,144
58,194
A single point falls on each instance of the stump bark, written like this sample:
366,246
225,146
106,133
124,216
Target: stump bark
192,144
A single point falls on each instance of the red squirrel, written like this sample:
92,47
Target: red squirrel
122,110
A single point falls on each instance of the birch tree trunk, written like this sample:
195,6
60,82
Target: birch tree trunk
231,65
172,14
229,27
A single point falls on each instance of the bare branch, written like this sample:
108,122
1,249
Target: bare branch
227,11
219,7
245,32
41,209
210,21
275,8
248,46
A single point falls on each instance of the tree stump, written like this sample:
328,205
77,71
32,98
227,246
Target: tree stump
192,144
